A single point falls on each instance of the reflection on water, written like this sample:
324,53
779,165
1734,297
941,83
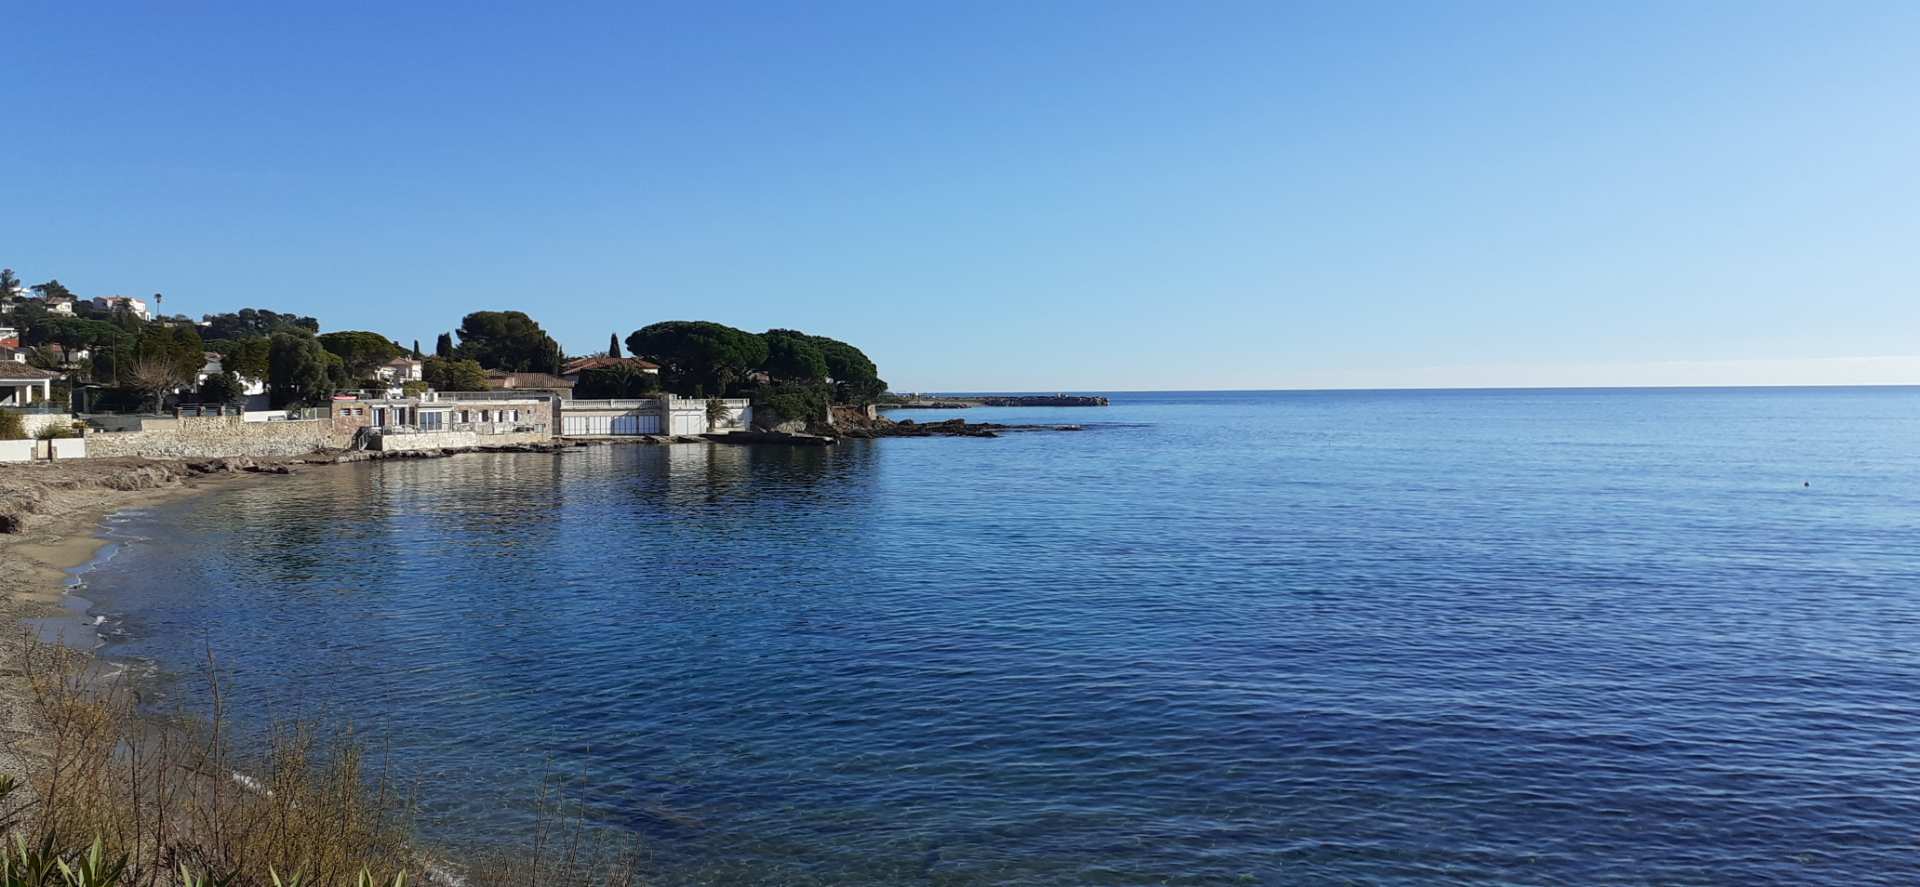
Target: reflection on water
1412,638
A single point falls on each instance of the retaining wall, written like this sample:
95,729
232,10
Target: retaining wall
37,421
213,437
450,440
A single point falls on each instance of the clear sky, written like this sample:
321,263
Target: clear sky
1010,195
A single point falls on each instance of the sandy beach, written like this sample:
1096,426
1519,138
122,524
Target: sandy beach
53,513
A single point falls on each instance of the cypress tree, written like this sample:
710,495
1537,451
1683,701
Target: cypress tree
613,345
416,349
443,346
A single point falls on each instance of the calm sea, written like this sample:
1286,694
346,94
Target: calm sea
1540,637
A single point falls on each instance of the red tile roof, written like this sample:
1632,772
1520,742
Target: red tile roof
594,363
13,370
499,379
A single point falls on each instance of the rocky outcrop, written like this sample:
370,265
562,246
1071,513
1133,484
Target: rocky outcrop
29,492
772,437
770,422
949,428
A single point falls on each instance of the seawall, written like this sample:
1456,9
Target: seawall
219,437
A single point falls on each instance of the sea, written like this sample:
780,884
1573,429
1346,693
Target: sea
1363,637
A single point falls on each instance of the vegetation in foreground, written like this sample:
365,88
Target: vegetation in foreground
110,798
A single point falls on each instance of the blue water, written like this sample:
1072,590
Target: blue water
1630,637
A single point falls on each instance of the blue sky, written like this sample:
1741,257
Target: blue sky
1012,196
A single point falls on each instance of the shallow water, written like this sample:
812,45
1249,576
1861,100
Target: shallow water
1647,637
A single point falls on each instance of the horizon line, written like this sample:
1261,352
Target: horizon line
955,392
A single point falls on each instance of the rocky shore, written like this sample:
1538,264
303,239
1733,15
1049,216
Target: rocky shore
855,425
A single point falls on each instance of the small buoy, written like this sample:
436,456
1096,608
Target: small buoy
1806,483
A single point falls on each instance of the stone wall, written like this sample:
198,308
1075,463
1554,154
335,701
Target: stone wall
37,421
454,440
212,437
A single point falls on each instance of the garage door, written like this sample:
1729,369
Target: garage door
603,426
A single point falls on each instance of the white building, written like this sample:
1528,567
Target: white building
401,369
138,307
212,367
22,385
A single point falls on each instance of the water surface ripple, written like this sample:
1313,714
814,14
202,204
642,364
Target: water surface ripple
1391,638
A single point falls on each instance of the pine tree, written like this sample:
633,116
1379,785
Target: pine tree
613,346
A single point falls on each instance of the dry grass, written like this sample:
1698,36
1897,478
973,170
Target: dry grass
128,800
170,796
564,849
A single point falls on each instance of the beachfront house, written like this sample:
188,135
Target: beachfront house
441,419
24,386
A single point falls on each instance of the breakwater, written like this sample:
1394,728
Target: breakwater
1011,400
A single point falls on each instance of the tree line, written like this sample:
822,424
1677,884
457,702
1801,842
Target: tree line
137,363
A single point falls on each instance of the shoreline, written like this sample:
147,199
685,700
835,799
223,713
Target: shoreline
40,559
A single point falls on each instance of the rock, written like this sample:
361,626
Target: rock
771,437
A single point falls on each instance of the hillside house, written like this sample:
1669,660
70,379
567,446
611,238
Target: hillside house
109,304
401,370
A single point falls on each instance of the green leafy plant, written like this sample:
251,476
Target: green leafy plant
806,402
12,425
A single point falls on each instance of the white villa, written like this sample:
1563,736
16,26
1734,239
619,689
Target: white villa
138,307
401,369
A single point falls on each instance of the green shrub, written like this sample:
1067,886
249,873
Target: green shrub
616,382
12,426
806,401
53,432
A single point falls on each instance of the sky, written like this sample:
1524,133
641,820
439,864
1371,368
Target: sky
1010,196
